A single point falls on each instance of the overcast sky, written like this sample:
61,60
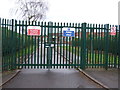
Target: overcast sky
90,11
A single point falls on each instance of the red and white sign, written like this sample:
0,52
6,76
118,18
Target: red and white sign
113,31
33,30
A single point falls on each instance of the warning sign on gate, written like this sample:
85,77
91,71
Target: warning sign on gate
113,31
68,32
33,30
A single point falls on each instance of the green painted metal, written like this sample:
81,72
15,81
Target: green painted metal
83,46
60,45
72,46
106,46
115,60
91,47
64,49
119,47
45,35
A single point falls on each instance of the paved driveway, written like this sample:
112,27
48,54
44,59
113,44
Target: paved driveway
54,78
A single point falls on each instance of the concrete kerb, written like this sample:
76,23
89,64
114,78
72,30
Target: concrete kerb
17,72
93,79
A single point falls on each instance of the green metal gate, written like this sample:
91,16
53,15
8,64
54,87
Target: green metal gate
91,46
51,49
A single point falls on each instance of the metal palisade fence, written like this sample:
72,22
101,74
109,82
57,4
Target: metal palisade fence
28,44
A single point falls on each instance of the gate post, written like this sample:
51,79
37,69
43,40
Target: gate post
119,48
0,53
106,45
83,46
13,44
50,24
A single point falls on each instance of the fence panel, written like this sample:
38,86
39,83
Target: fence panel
92,45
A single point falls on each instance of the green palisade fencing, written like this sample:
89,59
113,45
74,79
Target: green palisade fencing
92,45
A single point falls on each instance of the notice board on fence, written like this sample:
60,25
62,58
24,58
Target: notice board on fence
33,30
113,31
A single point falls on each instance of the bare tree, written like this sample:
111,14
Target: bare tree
31,10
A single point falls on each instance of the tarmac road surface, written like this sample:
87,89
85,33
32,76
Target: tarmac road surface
54,78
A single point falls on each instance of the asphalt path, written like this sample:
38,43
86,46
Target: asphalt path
53,78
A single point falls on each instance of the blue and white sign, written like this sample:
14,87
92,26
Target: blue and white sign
68,32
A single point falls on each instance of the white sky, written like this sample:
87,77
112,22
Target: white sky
90,11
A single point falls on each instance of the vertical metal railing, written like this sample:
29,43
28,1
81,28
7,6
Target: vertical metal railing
118,31
91,47
1,54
